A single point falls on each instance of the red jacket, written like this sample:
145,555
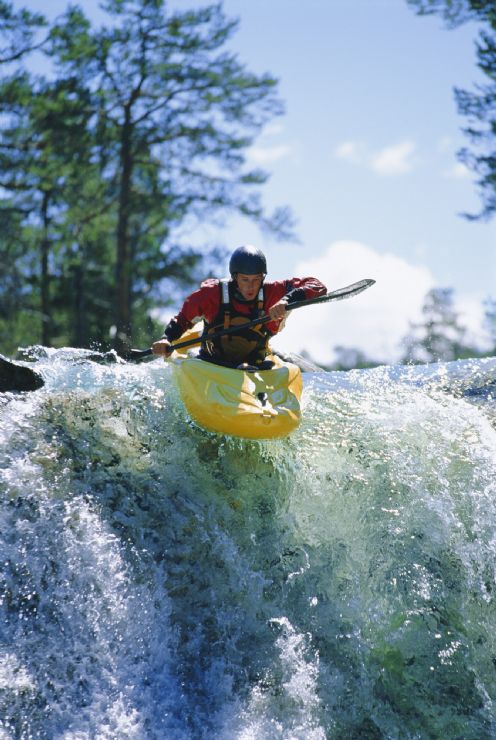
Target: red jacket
205,303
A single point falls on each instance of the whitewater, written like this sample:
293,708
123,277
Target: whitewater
159,581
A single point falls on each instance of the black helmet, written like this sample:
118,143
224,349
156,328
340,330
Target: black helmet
248,260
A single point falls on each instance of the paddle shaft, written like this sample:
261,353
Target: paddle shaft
335,295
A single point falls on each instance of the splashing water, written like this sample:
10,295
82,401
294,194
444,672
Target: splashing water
159,581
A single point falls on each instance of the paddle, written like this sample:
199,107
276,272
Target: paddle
335,295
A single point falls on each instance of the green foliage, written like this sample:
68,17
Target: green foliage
18,32
175,116
141,128
20,315
456,12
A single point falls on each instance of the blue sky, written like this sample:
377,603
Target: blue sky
365,155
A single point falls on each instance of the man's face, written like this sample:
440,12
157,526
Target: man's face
249,285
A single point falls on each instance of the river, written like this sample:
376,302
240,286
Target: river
159,581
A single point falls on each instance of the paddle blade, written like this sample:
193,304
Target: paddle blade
336,295
350,290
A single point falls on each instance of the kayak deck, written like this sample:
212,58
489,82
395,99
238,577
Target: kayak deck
256,405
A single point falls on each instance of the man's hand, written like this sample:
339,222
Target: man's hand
278,310
162,347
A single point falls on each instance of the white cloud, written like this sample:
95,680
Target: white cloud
350,151
267,152
263,155
393,160
396,159
458,171
272,129
374,321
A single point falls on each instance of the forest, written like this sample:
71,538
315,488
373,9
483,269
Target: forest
134,131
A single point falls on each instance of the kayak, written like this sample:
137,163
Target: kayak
256,405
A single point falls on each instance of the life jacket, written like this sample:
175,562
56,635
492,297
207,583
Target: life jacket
249,345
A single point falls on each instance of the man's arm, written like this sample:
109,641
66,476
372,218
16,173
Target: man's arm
302,288
202,304
283,294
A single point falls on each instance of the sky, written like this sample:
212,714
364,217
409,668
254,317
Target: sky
365,156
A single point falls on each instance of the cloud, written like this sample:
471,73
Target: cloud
350,151
266,153
396,159
374,321
458,171
272,129
263,155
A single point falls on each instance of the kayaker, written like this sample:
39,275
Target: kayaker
226,303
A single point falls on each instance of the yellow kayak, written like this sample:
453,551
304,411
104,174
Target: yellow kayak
257,405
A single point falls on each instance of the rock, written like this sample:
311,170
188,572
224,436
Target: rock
15,377
32,354
105,358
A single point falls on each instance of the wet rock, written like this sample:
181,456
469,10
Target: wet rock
105,358
15,377
32,354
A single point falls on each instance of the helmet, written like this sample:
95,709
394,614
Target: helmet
248,260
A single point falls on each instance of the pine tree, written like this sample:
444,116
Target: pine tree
349,358
45,169
140,127
21,33
440,336
174,114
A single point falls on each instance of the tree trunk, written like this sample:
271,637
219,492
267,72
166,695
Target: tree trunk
79,332
46,320
123,256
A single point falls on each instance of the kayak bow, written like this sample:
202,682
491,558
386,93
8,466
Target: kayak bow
256,405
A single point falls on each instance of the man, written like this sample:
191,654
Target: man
224,304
